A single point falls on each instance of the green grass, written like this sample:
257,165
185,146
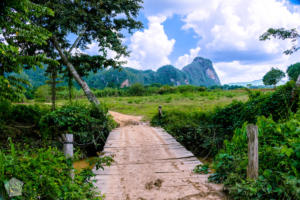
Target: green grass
147,106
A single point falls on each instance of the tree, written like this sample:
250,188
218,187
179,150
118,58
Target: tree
17,31
52,72
99,21
273,77
284,34
293,71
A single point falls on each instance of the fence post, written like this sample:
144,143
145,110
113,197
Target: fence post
252,133
68,145
159,111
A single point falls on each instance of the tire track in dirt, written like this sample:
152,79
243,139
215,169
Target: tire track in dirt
150,165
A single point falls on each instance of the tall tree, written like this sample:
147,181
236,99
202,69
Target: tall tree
293,71
284,34
100,21
273,77
17,31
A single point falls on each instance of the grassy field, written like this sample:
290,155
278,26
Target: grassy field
147,106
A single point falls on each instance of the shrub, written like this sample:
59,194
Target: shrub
43,93
20,122
204,133
45,173
90,125
279,162
136,89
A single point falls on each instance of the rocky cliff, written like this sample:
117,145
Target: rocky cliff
200,72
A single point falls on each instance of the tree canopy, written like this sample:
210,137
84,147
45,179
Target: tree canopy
102,21
293,71
284,34
17,31
273,77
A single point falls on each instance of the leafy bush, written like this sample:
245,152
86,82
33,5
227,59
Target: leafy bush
90,125
46,174
204,133
43,93
293,71
20,122
279,162
136,89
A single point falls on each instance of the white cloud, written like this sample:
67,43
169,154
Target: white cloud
235,71
151,47
229,33
187,58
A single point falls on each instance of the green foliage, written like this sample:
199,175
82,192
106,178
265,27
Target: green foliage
203,133
43,93
20,122
90,125
273,76
201,169
279,162
283,34
18,31
46,174
136,89
293,71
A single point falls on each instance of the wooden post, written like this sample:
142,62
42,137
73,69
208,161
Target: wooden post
159,111
252,133
68,145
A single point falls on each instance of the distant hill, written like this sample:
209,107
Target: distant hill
257,83
200,72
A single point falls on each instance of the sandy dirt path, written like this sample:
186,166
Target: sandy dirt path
150,164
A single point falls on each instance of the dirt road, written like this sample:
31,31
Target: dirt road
150,164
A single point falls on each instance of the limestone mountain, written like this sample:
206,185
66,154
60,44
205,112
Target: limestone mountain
200,72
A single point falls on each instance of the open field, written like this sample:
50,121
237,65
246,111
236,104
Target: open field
147,106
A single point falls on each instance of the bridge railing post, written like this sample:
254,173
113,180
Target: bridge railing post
252,133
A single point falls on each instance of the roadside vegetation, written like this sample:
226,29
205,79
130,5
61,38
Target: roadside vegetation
220,133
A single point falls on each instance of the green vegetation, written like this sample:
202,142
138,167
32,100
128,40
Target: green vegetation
147,106
273,77
293,71
89,124
220,133
279,161
37,149
45,173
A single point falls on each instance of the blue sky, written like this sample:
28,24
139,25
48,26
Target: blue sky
227,32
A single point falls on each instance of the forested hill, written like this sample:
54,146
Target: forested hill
200,72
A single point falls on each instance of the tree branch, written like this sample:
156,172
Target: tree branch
77,40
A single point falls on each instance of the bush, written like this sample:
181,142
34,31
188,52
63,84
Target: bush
43,93
20,122
204,133
90,125
279,162
136,89
45,173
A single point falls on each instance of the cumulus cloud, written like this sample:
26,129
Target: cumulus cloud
187,58
229,33
237,71
151,47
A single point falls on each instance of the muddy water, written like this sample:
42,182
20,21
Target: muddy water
84,163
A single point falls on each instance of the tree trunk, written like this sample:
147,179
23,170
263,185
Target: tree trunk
298,81
70,85
91,97
53,86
